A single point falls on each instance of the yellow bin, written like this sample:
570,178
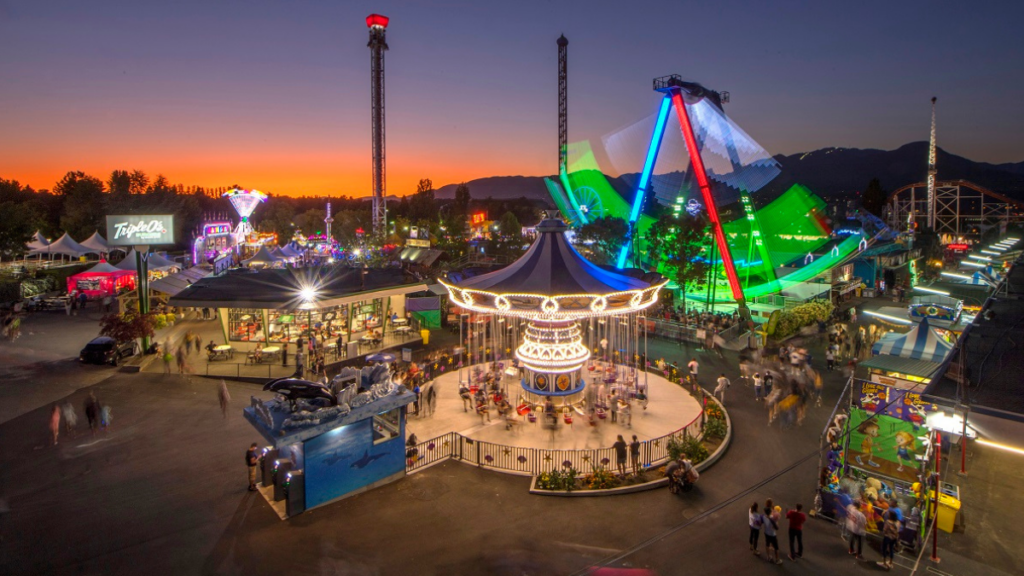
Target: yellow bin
948,508
425,334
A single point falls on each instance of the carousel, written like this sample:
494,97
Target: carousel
571,332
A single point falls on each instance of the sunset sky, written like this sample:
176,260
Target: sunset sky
276,95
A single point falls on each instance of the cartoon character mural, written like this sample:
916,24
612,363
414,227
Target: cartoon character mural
870,429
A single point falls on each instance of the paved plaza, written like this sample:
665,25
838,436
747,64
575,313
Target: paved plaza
669,409
163,492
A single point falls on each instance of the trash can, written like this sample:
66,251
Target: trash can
425,334
947,510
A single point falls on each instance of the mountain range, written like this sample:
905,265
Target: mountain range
828,172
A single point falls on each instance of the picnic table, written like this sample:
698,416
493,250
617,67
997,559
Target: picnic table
222,352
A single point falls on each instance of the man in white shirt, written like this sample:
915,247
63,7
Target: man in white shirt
723,383
693,367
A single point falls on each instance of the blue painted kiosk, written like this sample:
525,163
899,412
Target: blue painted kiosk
337,442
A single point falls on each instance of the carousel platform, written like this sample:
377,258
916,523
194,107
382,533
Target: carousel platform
669,408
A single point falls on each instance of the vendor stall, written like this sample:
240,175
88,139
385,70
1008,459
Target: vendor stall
102,280
908,360
330,442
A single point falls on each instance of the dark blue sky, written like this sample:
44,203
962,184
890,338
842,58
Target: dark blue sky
275,95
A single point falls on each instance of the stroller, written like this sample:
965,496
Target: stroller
681,477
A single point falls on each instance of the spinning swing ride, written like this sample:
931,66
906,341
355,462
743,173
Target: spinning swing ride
564,315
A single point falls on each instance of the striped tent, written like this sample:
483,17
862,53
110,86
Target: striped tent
921,343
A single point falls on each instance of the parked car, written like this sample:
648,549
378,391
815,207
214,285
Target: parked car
104,350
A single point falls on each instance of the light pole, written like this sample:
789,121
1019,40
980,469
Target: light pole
308,295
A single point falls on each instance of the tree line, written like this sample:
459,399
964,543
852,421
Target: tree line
78,203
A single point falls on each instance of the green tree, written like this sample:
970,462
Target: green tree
422,205
83,208
509,226
312,221
128,326
601,239
279,218
462,197
17,224
675,242
119,183
874,198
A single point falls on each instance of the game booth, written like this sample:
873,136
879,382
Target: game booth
908,360
879,449
102,280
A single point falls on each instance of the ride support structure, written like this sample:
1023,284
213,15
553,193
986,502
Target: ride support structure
676,93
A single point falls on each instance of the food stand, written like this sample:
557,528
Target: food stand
102,280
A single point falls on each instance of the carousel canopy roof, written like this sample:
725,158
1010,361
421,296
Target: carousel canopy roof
553,280
553,267
262,256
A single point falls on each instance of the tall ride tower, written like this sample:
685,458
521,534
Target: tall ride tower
563,107
931,171
328,221
378,44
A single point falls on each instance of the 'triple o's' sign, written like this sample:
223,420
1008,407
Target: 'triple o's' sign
130,230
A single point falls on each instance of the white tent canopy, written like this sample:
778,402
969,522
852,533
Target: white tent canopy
262,256
37,241
156,262
98,244
64,246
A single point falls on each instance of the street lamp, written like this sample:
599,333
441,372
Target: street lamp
309,294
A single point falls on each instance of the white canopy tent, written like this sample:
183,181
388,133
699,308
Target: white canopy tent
156,262
63,246
98,244
37,241
262,256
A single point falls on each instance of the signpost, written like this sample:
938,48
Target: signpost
141,232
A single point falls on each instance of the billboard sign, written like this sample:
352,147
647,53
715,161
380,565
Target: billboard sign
132,230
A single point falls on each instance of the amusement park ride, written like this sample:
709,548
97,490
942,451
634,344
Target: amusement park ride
761,252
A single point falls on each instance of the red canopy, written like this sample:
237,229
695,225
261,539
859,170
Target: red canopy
101,280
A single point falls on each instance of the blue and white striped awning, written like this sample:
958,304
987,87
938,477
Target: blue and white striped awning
921,343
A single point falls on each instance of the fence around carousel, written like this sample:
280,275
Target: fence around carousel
532,461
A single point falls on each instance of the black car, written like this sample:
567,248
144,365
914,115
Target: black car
104,350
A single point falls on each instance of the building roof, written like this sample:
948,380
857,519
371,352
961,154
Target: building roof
173,284
64,245
279,289
990,354
908,366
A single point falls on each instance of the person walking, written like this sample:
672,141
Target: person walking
758,386
55,423
754,519
770,523
92,411
890,535
856,524
70,418
106,416
634,454
251,459
613,406
723,384
693,367
620,455
627,414
224,397
830,359
796,520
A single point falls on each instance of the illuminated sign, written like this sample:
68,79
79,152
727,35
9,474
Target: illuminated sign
479,218
958,247
418,243
129,230
217,229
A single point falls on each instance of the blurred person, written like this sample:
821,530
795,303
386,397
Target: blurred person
723,384
796,520
92,411
55,423
634,454
70,418
620,455
224,397
251,460
754,520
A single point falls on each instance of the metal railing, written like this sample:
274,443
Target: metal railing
533,461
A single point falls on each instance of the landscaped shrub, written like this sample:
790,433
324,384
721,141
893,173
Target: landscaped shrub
715,428
688,447
791,321
600,479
